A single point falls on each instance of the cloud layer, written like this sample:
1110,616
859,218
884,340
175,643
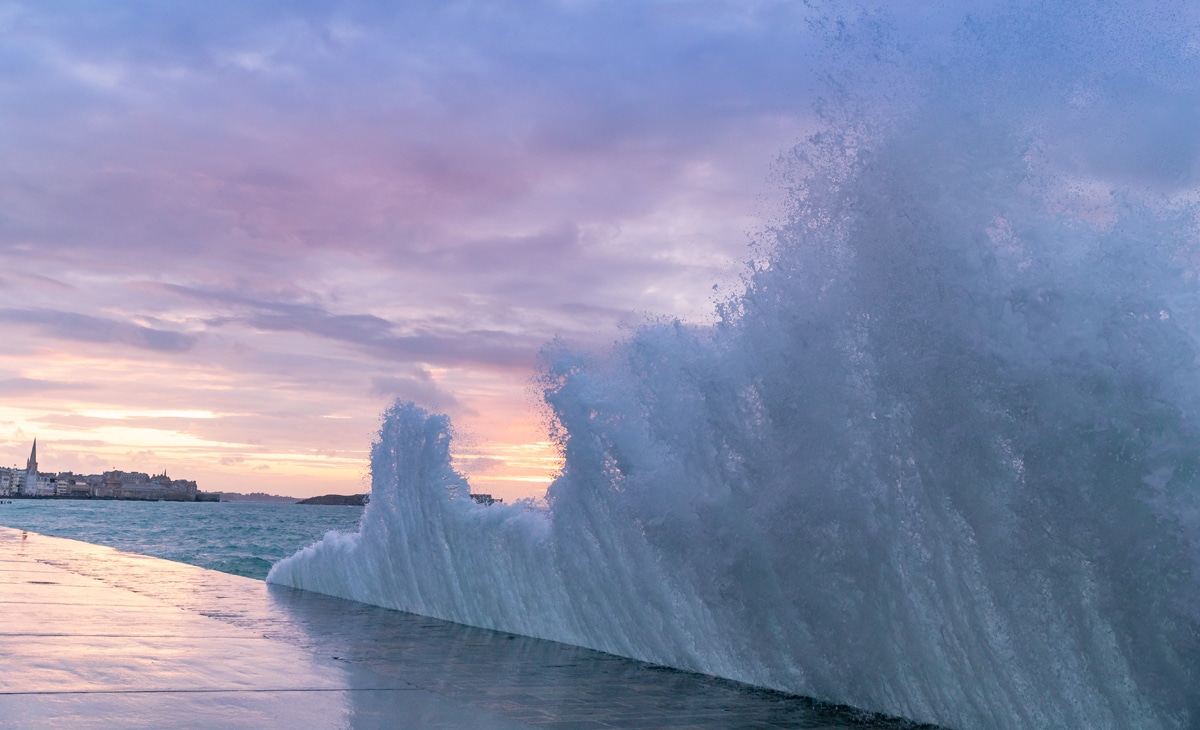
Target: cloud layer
285,214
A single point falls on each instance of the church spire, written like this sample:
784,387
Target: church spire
32,465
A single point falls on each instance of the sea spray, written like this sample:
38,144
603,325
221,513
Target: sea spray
941,459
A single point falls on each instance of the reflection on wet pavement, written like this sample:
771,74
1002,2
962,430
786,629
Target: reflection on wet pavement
95,638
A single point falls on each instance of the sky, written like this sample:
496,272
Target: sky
231,234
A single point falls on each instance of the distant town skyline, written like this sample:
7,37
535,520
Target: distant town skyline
231,234
31,481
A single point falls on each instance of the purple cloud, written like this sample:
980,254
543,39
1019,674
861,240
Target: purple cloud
20,387
85,328
310,208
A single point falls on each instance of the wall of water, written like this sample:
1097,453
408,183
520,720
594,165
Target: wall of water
941,459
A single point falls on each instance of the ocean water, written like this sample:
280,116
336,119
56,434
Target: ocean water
940,460
242,538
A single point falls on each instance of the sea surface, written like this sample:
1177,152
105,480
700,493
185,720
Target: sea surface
243,538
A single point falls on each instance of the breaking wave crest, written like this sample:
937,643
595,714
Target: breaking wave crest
941,459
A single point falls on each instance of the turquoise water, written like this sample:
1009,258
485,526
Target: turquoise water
233,537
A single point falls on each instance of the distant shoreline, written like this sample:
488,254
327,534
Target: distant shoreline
352,500
200,497
258,497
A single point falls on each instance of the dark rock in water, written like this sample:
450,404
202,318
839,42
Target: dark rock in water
357,500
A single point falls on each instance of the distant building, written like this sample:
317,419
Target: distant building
115,484
31,465
139,485
36,484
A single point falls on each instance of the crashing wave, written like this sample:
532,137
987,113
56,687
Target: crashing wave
941,459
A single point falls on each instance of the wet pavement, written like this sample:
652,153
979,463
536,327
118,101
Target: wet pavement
92,637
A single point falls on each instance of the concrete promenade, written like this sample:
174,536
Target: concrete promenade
91,637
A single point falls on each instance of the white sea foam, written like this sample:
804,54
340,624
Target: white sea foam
941,460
